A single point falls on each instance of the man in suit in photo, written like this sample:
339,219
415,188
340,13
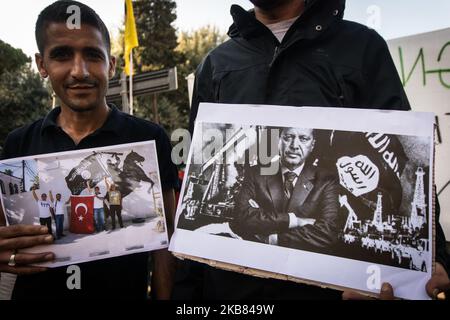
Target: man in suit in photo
296,207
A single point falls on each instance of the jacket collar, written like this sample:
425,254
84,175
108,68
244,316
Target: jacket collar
317,17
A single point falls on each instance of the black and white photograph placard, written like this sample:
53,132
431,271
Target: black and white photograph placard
335,197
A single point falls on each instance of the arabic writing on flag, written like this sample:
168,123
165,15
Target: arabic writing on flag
90,168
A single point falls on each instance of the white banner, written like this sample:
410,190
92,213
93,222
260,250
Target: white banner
423,63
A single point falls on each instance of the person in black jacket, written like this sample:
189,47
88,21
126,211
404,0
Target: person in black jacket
295,53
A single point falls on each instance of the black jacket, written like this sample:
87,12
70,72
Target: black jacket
322,61
315,196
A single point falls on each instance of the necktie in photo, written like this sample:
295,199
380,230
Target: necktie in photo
289,178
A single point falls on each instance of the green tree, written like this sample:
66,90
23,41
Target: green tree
157,37
11,59
156,51
192,48
160,47
195,45
23,96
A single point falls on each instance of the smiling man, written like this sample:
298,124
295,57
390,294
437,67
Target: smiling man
79,64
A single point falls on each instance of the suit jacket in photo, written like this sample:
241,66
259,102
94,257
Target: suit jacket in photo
262,208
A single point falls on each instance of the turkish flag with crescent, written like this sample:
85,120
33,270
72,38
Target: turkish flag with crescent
82,214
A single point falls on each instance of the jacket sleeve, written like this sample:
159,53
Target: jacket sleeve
324,232
382,88
203,89
442,255
251,217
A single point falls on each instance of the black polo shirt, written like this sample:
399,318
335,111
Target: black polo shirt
121,277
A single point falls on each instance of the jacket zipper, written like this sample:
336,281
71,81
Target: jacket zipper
275,55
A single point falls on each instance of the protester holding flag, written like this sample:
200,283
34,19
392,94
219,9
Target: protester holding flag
79,64
45,210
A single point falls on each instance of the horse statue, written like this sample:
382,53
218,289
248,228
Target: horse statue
132,174
92,169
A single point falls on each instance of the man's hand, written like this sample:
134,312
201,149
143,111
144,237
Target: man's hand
17,237
305,221
164,264
295,222
439,282
386,293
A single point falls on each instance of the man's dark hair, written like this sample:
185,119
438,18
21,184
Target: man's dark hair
57,13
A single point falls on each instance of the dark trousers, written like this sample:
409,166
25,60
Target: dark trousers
113,211
59,220
47,222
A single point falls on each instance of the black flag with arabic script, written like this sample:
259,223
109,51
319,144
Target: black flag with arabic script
90,168
367,163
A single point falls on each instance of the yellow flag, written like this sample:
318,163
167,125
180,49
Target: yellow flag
131,40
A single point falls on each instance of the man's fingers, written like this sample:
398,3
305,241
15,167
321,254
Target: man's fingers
30,258
439,282
22,259
24,242
386,292
20,230
21,270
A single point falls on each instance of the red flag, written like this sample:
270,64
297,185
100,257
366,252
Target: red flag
82,214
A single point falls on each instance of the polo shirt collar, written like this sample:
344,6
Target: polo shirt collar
113,122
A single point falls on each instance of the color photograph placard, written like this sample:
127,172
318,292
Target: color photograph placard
96,203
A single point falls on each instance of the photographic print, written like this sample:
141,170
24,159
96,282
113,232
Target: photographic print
96,203
310,200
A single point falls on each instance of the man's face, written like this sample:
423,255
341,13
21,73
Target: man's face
58,196
295,146
77,63
97,190
270,4
43,197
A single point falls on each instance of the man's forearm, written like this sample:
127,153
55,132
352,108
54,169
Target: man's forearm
164,263
163,274
35,195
